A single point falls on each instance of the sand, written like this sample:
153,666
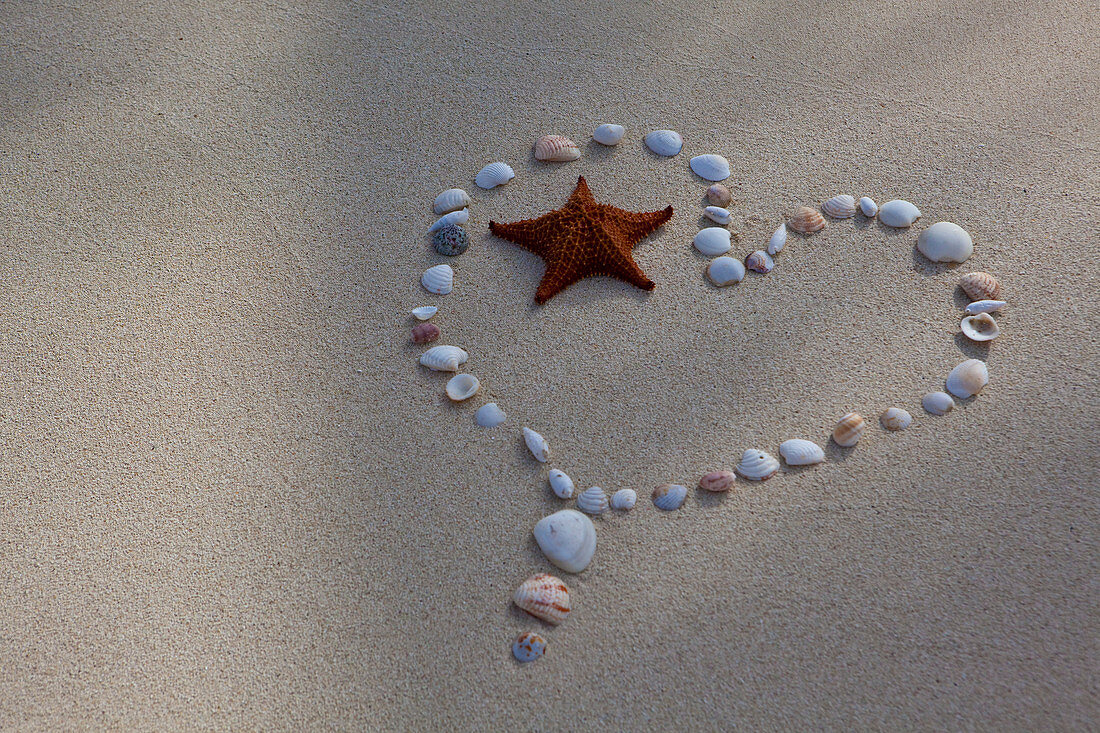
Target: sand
230,499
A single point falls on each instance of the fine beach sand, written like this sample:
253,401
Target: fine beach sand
230,499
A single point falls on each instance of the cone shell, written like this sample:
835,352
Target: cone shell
725,271
868,206
444,358
593,500
537,444
544,596
568,539
462,387
798,452
556,149
608,134
968,378
489,415
840,207
453,199
895,418
439,279
759,261
980,286
425,333
712,241
848,430
719,195
807,220
717,481
756,465
711,167
938,403
669,497
528,647
665,142
561,484
494,174
778,240
980,327
624,500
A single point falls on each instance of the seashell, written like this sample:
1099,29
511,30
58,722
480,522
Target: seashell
537,444
567,538
444,358
968,378
756,465
717,481
544,597
725,271
450,240
489,415
898,213
717,214
528,647
439,279
556,149
798,452
713,241
624,499
807,220
778,240
669,497
711,167
945,242
980,286
450,200
759,261
868,206
985,306
425,333
938,403
493,175
848,429
462,387
561,484
665,142
719,195
840,207
609,134
592,500
981,327
424,312
455,217
895,418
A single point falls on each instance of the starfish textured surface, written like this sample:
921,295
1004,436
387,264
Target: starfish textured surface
584,239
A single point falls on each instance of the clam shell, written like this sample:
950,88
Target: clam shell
425,333
593,500
760,261
624,499
980,327
717,214
669,497
489,415
756,465
537,444
868,206
717,481
938,403
719,195
968,378
453,199
567,538
895,418
980,286
848,430
544,596
945,242
462,387
840,207
528,647
561,484
985,306
493,175
711,167
608,134
439,279
444,358
778,240
455,217
798,452
807,220
725,271
712,241
898,213
665,142
556,149
424,312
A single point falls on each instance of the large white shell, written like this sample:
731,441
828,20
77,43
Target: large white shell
898,213
567,538
537,444
453,199
798,452
462,387
489,415
561,484
494,174
665,142
712,241
968,378
424,312
556,149
840,207
711,167
778,240
669,497
938,403
725,271
593,500
985,306
528,647
945,242
868,206
624,499
608,134
895,418
760,261
717,214
756,465
444,358
455,217
544,596
980,327
439,279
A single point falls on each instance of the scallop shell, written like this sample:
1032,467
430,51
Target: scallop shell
968,378
537,444
985,306
895,418
528,647
455,217
980,327
898,213
868,206
807,220
544,596
453,199
665,142
462,387
567,538
938,403
669,497
760,261
778,240
798,452
608,134
556,149
719,195
493,175
945,242
444,358
593,500
424,312
712,241
848,429
624,499
756,465
717,214
561,484
840,207
439,279
717,481
489,415
980,286
425,333
711,167
725,271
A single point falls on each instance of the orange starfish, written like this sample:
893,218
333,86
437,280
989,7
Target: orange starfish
583,239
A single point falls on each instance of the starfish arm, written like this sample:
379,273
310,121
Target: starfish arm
582,195
559,275
635,224
529,233
625,268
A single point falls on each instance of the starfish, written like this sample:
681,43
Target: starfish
584,239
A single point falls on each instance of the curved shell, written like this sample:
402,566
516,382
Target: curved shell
462,387
756,465
439,279
608,134
450,240
712,241
453,199
719,195
593,500
980,327
938,403
669,497
537,444
895,418
665,142
544,596
717,214
624,500
807,220
945,242
980,286
528,647
898,213
798,452
725,271
493,175
567,538
711,167
444,358
717,481
760,261
840,207
778,240
985,306
489,415
848,430
455,217
868,206
968,378
561,484
424,312
425,333
556,149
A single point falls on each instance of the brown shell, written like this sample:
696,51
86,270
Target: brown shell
848,429
544,596
719,195
980,286
556,148
717,481
425,333
807,220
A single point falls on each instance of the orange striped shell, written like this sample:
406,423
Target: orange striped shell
807,220
556,148
544,596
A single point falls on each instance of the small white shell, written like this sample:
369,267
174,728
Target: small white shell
561,484
556,149
895,418
424,312
778,240
444,358
725,271
453,199
868,206
712,241
669,497
898,213
439,279
985,306
462,387
945,242
760,261
489,415
494,174
537,444
840,207
624,499
980,327
798,452
528,647
711,167
756,465
608,134
568,539
849,429
717,214
938,403
455,217
665,142
593,500
968,378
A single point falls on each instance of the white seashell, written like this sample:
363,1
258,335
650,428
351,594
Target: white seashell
985,306
760,261
455,217
528,647
981,327
840,207
798,452
725,271
848,430
895,418
713,241
439,279
945,242
444,358
717,214
778,240
462,387
968,378
545,597
556,149
593,500
868,206
756,465
898,213
453,199
489,415
608,134
494,174
567,538
938,403
669,497
537,444
561,484
665,142
424,312
711,167
624,499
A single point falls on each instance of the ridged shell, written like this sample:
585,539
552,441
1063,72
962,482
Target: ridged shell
719,195
665,142
840,207
489,415
980,286
945,242
544,596
669,497
439,279
980,327
425,333
424,312
985,306
798,452
778,240
712,241
561,484
895,418
556,149
968,378
756,465
444,358
711,167
807,220
717,481
528,647
938,403
868,206
717,214
462,387
898,213
593,500
567,538
494,174
455,217
848,430
608,134
537,444
453,199
725,271
760,261
624,500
